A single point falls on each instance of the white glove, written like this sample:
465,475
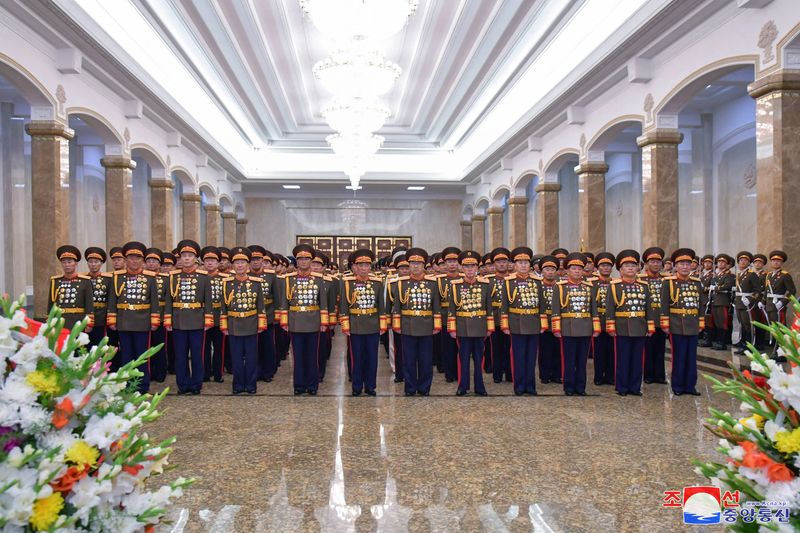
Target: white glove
746,301
779,304
761,306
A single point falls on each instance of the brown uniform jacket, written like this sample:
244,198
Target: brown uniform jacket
242,312
575,309
471,307
133,301
416,308
778,286
747,286
682,305
523,310
189,300
73,297
722,293
628,310
361,307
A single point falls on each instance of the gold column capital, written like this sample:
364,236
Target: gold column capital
191,197
161,183
782,80
591,167
547,187
478,218
659,136
466,223
212,207
241,221
228,215
495,210
518,200
118,161
49,128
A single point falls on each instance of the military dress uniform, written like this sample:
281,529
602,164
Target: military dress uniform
499,342
575,319
304,311
778,287
603,344
549,345
158,361
722,286
133,311
268,341
449,346
115,254
363,318
73,295
471,319
655,345
190,314
400,261
706,278
242,317
630,318
761,336
745,300
101,283
416,317
523,314
326,337
682,301
214,345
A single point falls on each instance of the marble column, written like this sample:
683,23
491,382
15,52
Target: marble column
213,222
660,187
547,217
592,205
228,230
479,233
466,235
50,200
778,163
161,217
191,215
119,199
495,237
241,232
518,222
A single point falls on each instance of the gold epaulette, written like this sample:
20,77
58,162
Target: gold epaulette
176,271
254,278
57,277
327,278
483,279
375,278
615,281
84,276
349,278
693,278
200,271
587,283
268,271
593,278
784,271
120,272
106,275
316,275
642,282
148,273
226,280
672,277
561,282
490,276
165,274
437,276
430,277
456,281
403,278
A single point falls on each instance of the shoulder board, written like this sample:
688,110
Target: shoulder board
692,278
254,278
120,271
456,281
641,275
348,278
376,278
269,271
593,278
57,277
639,281
289,274
401,278
176,271
561,282
666,275
587,283
615,281
316,275
673,277
784,271
164,274
226,280
84,276
199,271
489,276
106,275
432,277
148,273
327,278
483,279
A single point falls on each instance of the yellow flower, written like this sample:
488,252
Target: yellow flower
44,381
757,421
82,454
788,441
45,511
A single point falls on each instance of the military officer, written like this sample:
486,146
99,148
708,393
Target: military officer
304,314
499,360
759,309
470,319
224,260
101,281
242,317
682,299
549,346
603,345
746,298
416,317
117,258
561,255
630,319
267,343
778,287
536,266
117,263
722,286
523,318
133,308
655,345
213,347
706,277
575,322
167,266
158,361
488,266
189,315
363,319
167,262
402,269
70,291
589,271
318,265
449,346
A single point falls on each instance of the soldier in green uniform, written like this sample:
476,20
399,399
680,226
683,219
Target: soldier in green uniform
682,299
318,265
363,319
523,318
167,266
575,322
133,308
549,345
117,258
778,287
158,362
242,317
470,319
402,269
630,319
449,346
603,346
70,291
499,360
745,298
706,277
224,260
101,283
722,285
189,315
561,255
655,345
214,347
261,260
760,310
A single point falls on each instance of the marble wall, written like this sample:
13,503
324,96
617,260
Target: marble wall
140,226
177,211
432,224
568,228
623,202
87,195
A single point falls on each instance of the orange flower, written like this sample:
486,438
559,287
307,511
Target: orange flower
72,476
753,458
63,411
132,470
779,472
149,528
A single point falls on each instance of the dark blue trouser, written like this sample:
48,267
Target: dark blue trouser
158,363
305,347
385,342
574,353
684,362
628,358
417,363
449,357
524,349
487,355
603,349
398,355
97,334
324,352
364,352
244,359
113,340
549,357
437,360
470,348
501,356
188,353
213,353
267,363
655,346
132,344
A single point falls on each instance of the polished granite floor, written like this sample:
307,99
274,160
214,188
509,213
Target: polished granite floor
276,462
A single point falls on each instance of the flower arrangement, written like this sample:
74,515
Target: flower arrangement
72,453
762,448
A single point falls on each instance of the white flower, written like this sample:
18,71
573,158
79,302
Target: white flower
86,495
16,390
755,474
102,431
785,387
737,452
83,339
785,491
755,366
771,429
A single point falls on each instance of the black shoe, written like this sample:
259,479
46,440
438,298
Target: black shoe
370,393
450,380
582,393
694,393
518,393
648,381
312,392
410,393
498,380
545,381
251,391
268,380
482,393
298,392
509,380
661,381
569,393
622,393
356,393
532,393
399,380
559,381
639,393
196,392
598,383
421,393
719,347
182,392
206,380
704,344
460,392
237,392
676,393
219,380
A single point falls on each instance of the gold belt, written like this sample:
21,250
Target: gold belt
369,311
548,312
575,315
470,314
303,308
242,314
217,305
416,312
446,304
515,311
193,305
133,307
495,304
73,310
100,305
162,304
267,301
630,314
688,312
601,309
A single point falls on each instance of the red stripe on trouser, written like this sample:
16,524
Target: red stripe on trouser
511,354
222,359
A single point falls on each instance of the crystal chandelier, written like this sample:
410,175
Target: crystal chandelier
361,19
357,74
356,115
